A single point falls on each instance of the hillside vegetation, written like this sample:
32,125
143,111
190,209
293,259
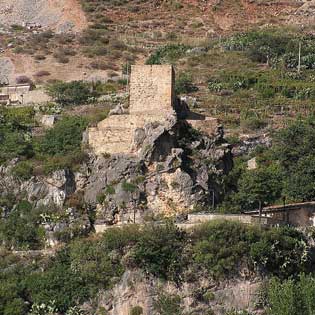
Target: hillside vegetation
248,63
218,249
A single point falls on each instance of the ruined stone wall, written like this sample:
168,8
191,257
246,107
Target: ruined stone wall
16,89
151,99
152,90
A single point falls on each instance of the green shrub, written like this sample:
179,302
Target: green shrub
93,264
65,137
71,160
214,85
14,142
21,229
71,93
54,282
117,239
167,54
129,187
168,304
266,91
289,255
292,297
208,296
100,198
21,116
110,190
222,247
136,310
23,170
15,137
159,250
253,123
184,84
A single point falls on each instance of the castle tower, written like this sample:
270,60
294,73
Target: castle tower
152,90
151,99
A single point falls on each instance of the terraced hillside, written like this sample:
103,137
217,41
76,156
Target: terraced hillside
102,36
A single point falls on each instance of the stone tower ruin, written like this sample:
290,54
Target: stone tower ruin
152,90
152,98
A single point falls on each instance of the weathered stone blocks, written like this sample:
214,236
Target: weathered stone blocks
151,99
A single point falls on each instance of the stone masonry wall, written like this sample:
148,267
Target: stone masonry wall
151,99
151,89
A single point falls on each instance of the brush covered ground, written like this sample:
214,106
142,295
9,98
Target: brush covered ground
107,34
239,60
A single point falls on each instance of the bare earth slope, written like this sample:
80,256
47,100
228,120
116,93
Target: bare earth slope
59,15
143,25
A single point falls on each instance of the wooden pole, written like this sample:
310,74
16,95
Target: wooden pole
127,77
260,212
299,65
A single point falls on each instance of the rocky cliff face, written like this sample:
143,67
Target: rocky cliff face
62,15
136,290
175,169
40,190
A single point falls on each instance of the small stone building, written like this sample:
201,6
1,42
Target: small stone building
296,214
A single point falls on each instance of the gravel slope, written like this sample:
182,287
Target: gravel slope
62,15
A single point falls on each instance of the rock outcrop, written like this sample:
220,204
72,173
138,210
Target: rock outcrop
135,289
175,169
40,190
149,162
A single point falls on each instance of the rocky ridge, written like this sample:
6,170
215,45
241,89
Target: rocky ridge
175,169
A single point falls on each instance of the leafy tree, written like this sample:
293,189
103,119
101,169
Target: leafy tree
294,142
261,185
300,185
